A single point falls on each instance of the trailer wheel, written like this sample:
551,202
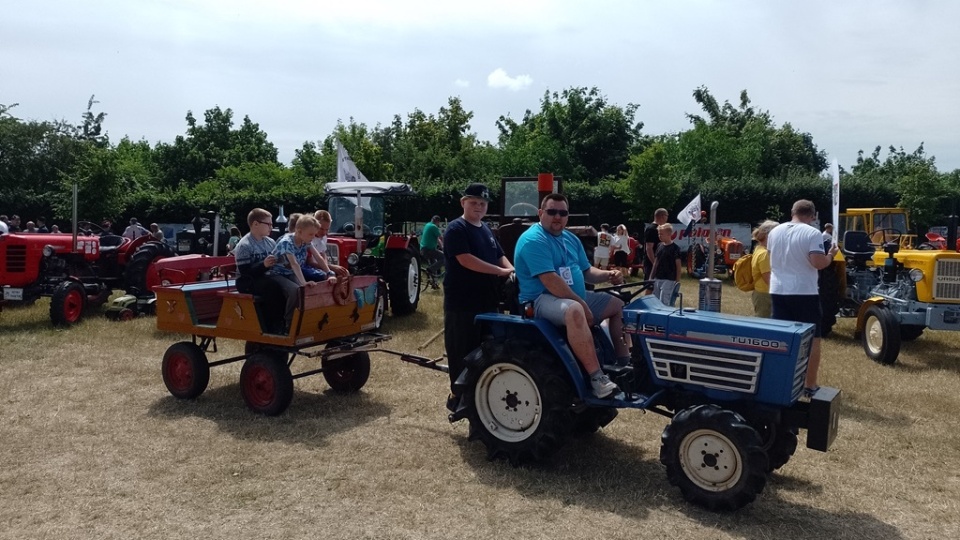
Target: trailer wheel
136,272
403,281
714,457
520,406
266,384
347,373
185,370
67,304
881,335
910,332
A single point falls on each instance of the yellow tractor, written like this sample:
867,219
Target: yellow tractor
894,290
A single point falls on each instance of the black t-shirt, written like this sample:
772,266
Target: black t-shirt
667,255
650,236
463,289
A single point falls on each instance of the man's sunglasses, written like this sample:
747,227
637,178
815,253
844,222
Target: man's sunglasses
557,212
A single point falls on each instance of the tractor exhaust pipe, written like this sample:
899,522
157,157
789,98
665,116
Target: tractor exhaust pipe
710,288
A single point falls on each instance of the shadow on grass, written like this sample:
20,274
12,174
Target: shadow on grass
929,355
852,411
310,418
601,473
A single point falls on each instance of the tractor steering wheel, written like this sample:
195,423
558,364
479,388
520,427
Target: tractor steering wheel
522,209
626,291
881,237
91,227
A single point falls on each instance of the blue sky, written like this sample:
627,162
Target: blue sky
854,74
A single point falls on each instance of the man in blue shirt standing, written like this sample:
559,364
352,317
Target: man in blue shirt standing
552,269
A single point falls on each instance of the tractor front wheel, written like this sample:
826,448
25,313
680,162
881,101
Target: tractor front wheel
266,383
881,335
518,401
403,275
714,457
67,304
185,370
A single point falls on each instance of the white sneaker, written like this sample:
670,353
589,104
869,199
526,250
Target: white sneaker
603,386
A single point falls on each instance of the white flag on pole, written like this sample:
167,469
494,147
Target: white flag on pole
691,212
347,170
835,172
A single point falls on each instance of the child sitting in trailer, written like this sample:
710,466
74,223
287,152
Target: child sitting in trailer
254,260
291,252
318,257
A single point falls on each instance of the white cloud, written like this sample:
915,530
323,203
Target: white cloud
499,79
461,83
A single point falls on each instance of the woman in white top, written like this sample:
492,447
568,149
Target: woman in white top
620,248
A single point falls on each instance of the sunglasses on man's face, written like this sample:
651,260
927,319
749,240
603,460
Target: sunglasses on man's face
557,212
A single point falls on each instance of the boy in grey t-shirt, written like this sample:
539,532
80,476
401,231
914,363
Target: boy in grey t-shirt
253,261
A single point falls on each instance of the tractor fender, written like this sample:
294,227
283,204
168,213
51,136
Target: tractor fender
537,331
861,314
399,241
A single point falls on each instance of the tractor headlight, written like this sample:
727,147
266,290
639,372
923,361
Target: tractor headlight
48,250
353,259
916,275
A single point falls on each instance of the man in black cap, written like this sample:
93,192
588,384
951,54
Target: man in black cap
475,262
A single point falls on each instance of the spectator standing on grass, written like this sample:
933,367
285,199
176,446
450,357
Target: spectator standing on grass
430,244
134,230
30,227
827,236
42,225
601,255
14,224
796,254
475,262
157,234
234,238
666,267
760,270
651,240
4,229
621,255
54,229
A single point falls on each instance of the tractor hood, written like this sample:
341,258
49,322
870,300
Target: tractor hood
368,188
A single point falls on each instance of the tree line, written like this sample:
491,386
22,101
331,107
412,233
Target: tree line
732,153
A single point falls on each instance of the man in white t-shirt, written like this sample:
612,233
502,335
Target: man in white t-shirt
601,255
796,254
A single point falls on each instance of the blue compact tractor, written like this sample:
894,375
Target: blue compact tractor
732,387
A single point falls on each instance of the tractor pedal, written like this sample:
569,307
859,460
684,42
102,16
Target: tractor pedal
616,371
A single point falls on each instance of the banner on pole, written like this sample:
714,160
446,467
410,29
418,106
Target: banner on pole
835,173
347,170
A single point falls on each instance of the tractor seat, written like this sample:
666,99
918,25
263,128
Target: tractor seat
857,247
110,242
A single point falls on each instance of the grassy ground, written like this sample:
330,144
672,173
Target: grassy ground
94,447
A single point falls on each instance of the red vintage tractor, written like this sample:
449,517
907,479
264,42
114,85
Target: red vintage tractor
76,271
362,242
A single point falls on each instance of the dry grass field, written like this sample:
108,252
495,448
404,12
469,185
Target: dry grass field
93,446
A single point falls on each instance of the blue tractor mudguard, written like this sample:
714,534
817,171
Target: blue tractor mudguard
537,331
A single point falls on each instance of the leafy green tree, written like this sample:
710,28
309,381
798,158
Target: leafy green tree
576,134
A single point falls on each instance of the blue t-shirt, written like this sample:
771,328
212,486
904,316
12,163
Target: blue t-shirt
284,246
539,252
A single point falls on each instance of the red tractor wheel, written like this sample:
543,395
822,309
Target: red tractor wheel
67,304
126,314
266,384
186,372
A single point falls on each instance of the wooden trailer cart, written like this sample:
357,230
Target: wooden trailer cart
335,323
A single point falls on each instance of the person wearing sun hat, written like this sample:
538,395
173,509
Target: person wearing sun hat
475,263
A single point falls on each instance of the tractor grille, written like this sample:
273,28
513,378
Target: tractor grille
946,280
712,367
16,259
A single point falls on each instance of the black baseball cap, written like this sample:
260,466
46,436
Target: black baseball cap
479,191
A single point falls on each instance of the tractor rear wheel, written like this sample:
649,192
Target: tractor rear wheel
67,304
185,370
881,335
518,401
266,383
714,457
346,373
136,272
403,281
